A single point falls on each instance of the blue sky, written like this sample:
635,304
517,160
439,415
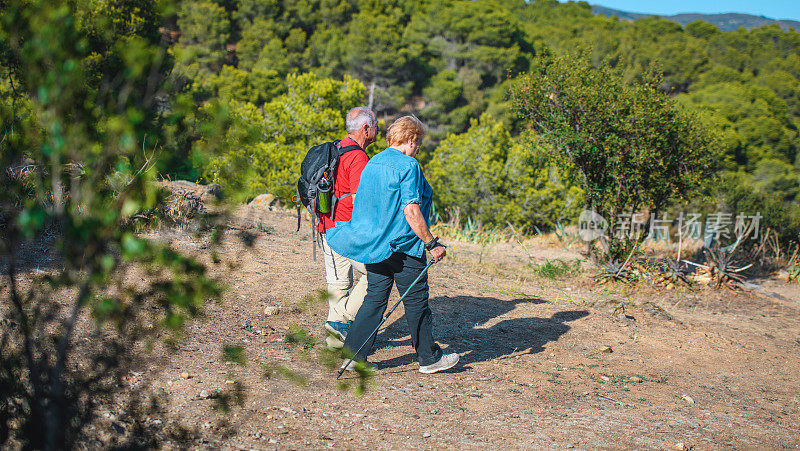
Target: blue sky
774,9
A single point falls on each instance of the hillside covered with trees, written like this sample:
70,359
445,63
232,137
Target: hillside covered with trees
285,71
262,80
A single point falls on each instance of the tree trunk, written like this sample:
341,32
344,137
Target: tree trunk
371,94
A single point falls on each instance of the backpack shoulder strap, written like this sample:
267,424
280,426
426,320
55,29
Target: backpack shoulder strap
345,149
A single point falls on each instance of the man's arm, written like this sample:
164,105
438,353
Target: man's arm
420,228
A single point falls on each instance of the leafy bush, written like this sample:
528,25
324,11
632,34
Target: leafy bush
736,194
467,171
85,95
259,149
633,146
495,179
553,269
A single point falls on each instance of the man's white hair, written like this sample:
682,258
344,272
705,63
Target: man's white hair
359,117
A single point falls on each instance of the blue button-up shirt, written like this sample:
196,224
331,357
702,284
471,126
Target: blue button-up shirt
390,181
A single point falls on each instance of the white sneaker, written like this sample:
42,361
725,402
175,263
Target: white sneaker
446,362
333,342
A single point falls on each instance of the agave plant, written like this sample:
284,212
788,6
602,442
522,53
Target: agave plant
642,268
724,270
671,273
614,271
182,205
567,238
794,269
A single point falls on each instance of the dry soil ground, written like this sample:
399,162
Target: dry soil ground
712,370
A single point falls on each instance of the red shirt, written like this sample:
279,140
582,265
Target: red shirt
348,175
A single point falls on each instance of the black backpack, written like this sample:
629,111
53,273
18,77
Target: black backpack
318,172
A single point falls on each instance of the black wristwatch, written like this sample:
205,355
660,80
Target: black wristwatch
433,243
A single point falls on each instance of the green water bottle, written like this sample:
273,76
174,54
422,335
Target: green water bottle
324,196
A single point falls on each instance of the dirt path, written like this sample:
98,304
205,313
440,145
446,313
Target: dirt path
723,372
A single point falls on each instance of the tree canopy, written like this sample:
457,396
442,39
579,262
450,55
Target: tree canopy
633,146
450,62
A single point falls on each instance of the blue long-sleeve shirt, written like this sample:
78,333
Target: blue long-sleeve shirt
390,181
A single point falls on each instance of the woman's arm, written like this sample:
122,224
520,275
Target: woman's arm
420,228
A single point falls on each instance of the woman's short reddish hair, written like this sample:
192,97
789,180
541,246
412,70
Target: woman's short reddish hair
404,129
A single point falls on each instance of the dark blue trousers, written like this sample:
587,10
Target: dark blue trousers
402,270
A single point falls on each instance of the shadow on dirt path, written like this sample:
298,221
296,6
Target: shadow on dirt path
459,322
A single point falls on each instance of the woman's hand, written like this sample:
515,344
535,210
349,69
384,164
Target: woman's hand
438,253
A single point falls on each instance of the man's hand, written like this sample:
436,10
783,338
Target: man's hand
438,253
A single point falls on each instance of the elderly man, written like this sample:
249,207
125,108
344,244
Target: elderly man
345,297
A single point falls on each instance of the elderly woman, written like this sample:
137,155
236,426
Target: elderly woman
389,233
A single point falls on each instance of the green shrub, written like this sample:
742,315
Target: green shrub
633,147
495,179
85,110
736,195
258,150
553,269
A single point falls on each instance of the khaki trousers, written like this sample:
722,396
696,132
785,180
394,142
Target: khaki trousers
344,296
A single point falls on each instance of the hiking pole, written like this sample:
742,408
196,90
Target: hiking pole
344,367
